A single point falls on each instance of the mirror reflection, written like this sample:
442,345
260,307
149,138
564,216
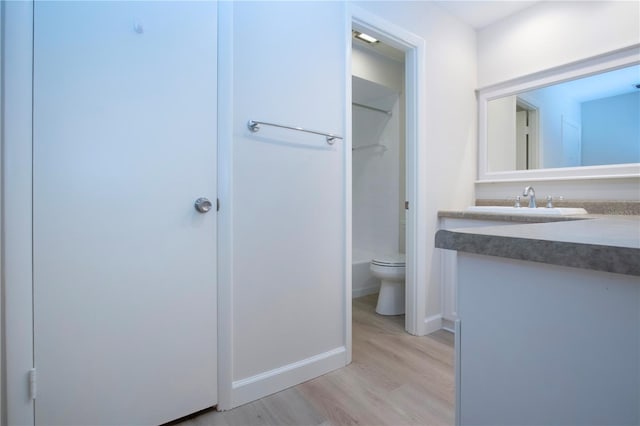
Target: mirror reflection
590,121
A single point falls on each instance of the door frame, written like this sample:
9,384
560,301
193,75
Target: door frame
225,215
534,132
17,203
414,47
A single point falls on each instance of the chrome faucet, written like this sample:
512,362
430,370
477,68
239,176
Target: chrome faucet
529,192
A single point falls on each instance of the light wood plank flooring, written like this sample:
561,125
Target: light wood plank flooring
395,379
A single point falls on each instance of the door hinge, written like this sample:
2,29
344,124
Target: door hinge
217,204
406,205
32,384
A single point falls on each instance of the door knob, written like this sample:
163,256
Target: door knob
203,205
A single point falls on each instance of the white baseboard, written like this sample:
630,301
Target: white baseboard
448,325
432,323
269,382
359,292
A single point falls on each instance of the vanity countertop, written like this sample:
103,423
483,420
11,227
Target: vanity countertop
537,218
601,243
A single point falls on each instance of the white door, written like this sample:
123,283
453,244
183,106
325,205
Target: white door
571,143
124,266
287,313
522,142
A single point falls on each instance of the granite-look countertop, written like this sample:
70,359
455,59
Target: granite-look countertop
601,243
505,217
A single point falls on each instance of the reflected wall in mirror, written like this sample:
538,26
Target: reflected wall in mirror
589,121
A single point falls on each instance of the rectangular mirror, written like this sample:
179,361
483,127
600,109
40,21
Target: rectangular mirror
580,121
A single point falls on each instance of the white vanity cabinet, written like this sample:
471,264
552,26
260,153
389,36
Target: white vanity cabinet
569,352
449,266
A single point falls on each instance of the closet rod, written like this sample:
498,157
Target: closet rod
371,108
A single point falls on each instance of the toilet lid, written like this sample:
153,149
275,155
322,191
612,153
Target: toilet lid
393,259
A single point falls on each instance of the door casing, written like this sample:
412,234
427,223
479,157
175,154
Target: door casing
416,195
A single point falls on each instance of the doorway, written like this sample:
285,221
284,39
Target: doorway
411,49
527,151
378,168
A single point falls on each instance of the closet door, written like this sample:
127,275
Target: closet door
124,265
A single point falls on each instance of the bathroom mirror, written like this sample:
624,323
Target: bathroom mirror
581,120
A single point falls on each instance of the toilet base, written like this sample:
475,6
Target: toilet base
391,298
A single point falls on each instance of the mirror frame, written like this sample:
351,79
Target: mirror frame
595,65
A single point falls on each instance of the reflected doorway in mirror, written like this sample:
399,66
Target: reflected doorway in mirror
527,145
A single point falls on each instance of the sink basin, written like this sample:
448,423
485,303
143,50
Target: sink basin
555,211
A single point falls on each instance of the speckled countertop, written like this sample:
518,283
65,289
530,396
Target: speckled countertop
598,242
538,218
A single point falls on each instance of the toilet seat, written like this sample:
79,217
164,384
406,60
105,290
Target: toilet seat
390,260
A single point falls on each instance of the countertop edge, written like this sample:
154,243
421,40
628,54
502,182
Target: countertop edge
521,218
620,260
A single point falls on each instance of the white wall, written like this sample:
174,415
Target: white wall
547,35
611,130
285,307
553,33
449,118
501,134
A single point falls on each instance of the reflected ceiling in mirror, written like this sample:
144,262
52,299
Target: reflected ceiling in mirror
589,121
554,147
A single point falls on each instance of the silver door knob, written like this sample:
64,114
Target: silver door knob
203,205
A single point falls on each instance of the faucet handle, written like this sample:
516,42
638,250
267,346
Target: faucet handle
550,200
517,202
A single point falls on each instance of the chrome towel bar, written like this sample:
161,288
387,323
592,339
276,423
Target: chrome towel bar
254,126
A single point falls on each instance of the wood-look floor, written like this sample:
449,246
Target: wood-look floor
395,379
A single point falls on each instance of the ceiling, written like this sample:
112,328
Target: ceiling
480,13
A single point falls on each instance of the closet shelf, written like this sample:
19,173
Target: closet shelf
373,145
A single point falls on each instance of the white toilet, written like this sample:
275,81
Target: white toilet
390,269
